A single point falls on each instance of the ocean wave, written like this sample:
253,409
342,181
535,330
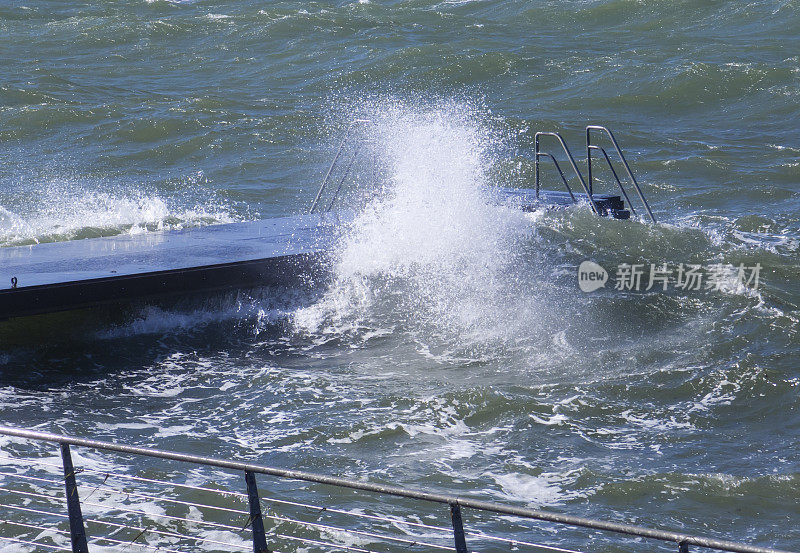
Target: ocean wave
61,210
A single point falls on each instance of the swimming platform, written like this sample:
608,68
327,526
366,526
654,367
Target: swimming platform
62,276
59,276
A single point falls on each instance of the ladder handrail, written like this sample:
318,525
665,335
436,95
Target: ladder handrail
344,177
614,142
560,172
616,177
564,146
342,144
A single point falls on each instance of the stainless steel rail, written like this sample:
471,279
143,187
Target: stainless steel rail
574,165
342,144
455,503
560,172
613,172
614,142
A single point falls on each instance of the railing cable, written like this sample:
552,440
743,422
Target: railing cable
32,494
168,517
34,527
479,535
683,540
175,501
129,543
146,530
359,532
110,474
361,515
33,478
326,544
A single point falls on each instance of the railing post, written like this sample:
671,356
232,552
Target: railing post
256,521
683,547
589,158
458,528
536,163
77,533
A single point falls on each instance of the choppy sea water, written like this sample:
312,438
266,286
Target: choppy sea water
452,349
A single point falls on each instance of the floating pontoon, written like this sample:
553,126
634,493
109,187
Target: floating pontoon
61,276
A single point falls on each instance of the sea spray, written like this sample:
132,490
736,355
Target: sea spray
65,210
430,254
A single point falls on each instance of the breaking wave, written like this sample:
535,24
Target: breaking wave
66,211
429,255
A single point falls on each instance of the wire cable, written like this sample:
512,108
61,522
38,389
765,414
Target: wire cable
240,495
360,532
520,542
32,494
176,501
168,517
145,530
129,543
108,474
361,515
33,527
34,478
327,544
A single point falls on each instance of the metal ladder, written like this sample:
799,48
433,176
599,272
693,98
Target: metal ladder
335,161
588,184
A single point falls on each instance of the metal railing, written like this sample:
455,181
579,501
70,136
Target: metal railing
80,540
588,183
333,164
613,172
590,147
564,181
538,153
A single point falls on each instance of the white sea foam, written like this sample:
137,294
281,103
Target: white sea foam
257,310
429,252
63,211
544,489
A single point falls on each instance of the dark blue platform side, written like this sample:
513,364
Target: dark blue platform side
60,276
70,275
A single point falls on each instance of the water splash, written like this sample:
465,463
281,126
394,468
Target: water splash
429,254
250,312
68,211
